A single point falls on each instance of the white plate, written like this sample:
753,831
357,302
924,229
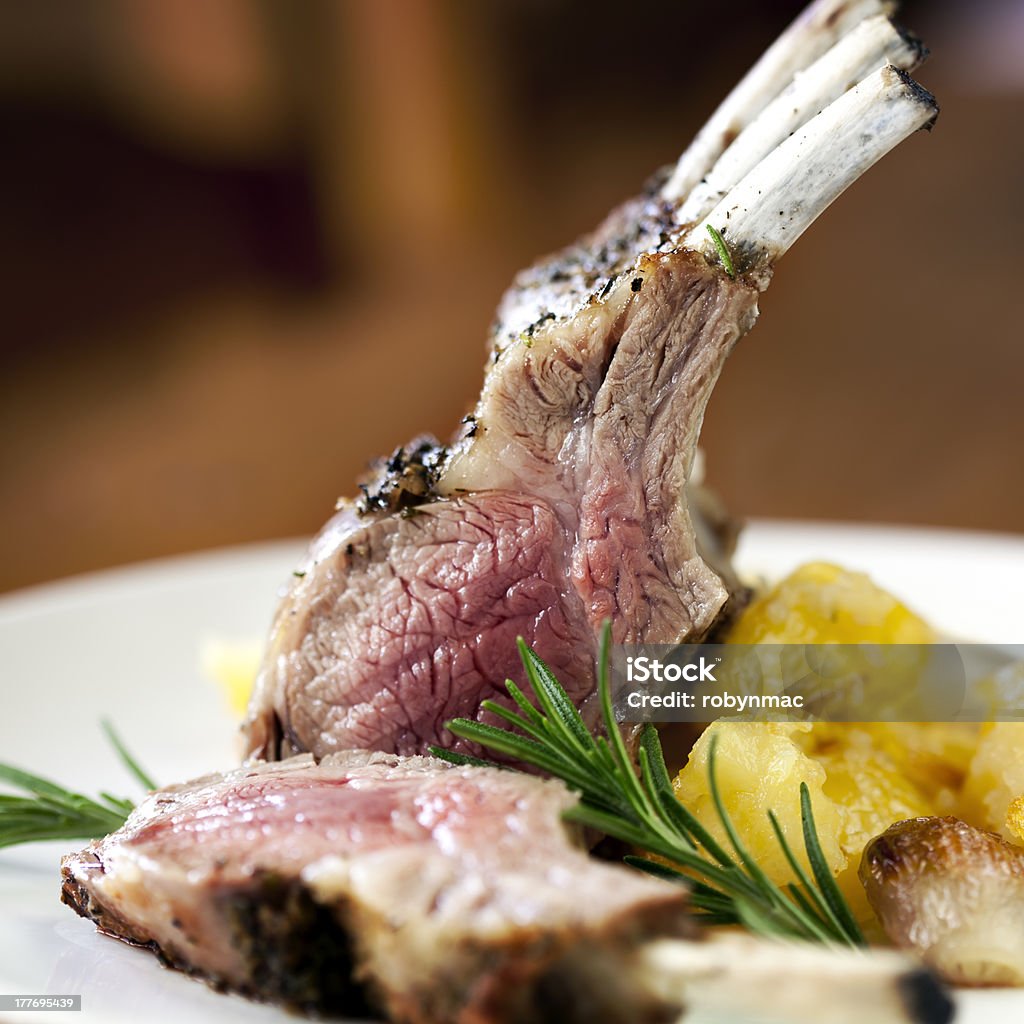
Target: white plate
125,644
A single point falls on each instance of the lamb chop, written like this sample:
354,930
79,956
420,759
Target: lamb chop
431,892
440,895
569,496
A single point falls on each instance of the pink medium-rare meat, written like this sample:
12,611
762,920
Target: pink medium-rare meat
429,892
407,622
563,504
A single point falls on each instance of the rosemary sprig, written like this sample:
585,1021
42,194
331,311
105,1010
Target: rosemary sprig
723,250
49,811
640,808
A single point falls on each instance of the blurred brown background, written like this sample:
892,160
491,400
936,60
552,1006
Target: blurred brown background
249,244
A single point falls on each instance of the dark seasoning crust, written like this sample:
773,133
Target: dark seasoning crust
296,950
301,954
76,896
587,271
568,281
405,479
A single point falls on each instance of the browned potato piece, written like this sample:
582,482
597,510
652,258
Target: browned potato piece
953,893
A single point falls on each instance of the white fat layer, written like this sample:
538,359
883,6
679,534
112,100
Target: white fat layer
327,878
807,38
870,46
775,203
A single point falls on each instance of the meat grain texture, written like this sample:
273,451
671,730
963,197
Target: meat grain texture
567,500
368,882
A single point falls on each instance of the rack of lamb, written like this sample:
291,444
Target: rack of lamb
569,497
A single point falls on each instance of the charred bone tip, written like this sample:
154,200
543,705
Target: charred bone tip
871,45
926,1001
772,206
914,43
919,94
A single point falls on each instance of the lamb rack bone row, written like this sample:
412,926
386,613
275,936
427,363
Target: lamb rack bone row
533,397
776,202
815,29
874,43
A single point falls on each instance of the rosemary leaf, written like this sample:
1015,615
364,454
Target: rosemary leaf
565,710
126,758
49,811
723,250
30,783
453,757
822,872
656,868
813,896
524,703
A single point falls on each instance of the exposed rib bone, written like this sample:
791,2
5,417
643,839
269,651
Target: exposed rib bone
795,983
783,195
816,28
872,44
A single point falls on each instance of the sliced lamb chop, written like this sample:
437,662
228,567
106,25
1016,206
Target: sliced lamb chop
568,498
433,893
440,895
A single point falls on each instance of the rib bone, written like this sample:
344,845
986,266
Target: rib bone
785,193
740,975
806,39
872,44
